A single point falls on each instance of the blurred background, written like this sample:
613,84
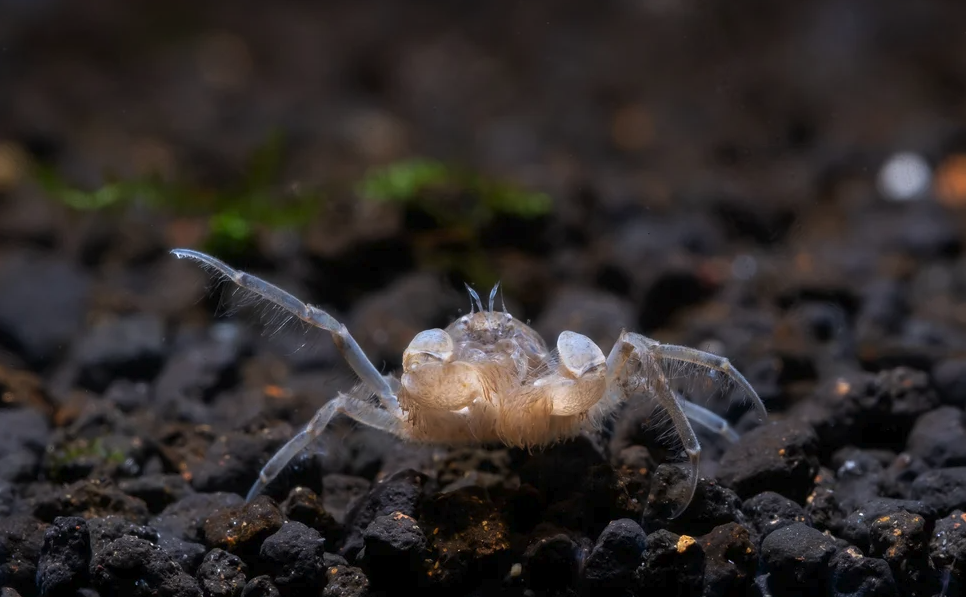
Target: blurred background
757,178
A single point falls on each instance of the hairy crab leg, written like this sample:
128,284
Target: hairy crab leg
358,410
709,360
708,420
344,341
629,346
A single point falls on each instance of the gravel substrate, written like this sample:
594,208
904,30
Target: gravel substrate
731,200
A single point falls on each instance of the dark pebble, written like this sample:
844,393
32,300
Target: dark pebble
303,505
730,560
42,306
294,555
796,558
186,554
21,539
947,545
854,575
822,508
395,547
615,557
910,393
341,492
551,563
712,505
858,524
769,511
261,586
134,567
129,347
883,406
64,557
157,491
939,438
111,528
468,532
222,574
241,529
673,565
185,517
233,460
25,436
949,379
901,539
943,490
858,476
345,581
399,493
200,370
780,457
90,499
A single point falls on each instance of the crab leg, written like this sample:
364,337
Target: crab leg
344,341
706,359
708,420
358,410
636,346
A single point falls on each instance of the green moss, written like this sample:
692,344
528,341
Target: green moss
417,181
82,450
233,213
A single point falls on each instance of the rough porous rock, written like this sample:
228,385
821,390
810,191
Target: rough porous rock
89,499
395,544
853,574
901,539
551,563
780,457
343,580
294,555
222,574
615,557
730,560
303,505
939,438
399,493
185,517
674,562
157,491
769,511
242,529
261,586
942,490
64,557
797,557
134,567
21,539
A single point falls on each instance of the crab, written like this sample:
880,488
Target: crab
490,378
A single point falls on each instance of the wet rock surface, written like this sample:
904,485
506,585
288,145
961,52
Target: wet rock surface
716,201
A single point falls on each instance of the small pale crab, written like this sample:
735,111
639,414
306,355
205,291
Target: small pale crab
490,378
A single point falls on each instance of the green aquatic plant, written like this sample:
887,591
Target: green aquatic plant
423,182
233,213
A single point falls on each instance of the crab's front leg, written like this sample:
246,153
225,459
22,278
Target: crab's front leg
358,409
346,344
650,377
